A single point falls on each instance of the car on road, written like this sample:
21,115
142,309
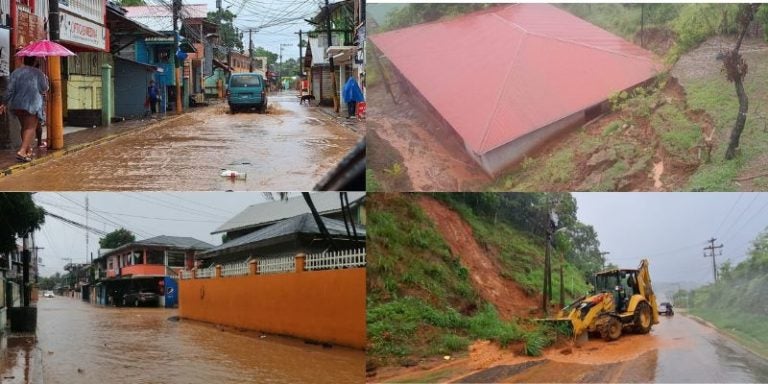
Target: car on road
141,298
245,91
665,308
48,294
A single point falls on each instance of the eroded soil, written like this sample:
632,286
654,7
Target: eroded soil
506,295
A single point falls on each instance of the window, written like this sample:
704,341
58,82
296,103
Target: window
156,257
246,81
162,54
175,259
137,258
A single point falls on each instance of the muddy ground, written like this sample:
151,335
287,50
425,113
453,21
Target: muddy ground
678,349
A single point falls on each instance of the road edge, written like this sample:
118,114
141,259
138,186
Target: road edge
742,342
17,168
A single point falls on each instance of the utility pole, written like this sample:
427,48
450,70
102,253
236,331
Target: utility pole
711,248
301,62
250,50
330,58
87,233
177,68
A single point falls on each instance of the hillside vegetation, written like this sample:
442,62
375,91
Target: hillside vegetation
422,300
738,302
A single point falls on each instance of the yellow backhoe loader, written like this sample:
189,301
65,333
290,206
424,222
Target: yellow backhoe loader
623,299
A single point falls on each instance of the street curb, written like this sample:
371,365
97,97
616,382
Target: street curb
76,148
726,334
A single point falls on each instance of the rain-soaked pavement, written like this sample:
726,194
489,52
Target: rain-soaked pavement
81,343
290,148
678,350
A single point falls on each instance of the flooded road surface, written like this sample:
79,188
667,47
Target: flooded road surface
678,350
290,148
82,343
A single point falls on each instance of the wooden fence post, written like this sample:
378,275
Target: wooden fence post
253,267
218,271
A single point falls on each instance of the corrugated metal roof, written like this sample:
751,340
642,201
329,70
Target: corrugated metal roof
269,212
499,74
303,223
177,242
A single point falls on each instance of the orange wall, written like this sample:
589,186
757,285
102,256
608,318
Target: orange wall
327,306
143,269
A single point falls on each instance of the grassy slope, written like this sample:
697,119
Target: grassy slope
738,307
420,299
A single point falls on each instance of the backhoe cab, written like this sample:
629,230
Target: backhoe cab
623,299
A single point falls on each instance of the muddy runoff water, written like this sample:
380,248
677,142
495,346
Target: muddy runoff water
83,343
290,148
678,350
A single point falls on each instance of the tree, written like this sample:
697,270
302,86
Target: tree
131,3
116,238
228,35
19,215
271,56
735,69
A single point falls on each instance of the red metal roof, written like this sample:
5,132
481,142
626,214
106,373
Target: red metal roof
499,74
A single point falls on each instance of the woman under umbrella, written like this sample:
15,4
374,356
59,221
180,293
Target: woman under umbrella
25,92
25,98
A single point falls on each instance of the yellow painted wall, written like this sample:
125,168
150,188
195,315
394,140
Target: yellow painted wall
84,92
327,306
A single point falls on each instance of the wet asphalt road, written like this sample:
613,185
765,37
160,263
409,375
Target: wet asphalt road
82,343
679,350
290,148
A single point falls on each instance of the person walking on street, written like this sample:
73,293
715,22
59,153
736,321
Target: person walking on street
352,95
25,98
152,96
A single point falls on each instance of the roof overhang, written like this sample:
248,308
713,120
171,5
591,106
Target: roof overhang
341,53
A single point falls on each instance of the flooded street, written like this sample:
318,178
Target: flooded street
82,343
290,148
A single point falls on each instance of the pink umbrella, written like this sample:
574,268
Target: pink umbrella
42,48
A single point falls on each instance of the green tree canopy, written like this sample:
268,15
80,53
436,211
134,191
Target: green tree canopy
230,37
271,56
117,238
131,3
19,215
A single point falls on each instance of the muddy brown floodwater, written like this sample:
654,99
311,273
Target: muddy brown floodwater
290,148
678,350
81,343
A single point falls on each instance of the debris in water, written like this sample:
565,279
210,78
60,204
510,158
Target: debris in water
446,357
233,174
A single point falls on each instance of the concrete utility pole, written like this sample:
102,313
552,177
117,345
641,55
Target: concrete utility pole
87,233
330,58
177,70
301,63
711,248
250,50
56,119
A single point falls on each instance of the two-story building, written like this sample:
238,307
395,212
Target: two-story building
159,51
342,49
150,265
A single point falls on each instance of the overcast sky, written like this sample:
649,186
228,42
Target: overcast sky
289,14
146,214
671,229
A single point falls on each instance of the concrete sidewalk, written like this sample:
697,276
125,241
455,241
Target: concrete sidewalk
82,138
